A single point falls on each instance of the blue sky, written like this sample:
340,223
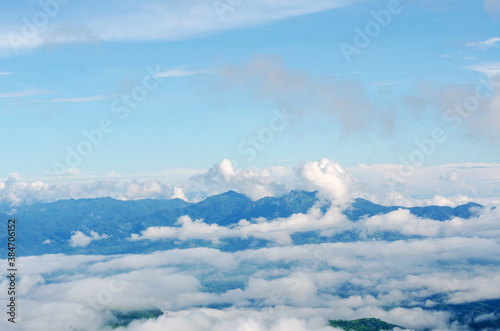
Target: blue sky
222,81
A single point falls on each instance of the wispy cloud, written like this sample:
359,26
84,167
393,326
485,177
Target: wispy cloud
268,78
5,73
158,20
492,42
180,73
489,69
23,93
79,99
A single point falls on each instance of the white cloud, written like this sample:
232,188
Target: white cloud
189,229
403,222
277,230
284,288
280,230
492,42
179,73
23,93
393,184
196,256
255,183
156,20
382,183
17,191
326,176
79,239
331,180
178,194
488,69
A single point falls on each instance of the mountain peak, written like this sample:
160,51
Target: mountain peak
232,193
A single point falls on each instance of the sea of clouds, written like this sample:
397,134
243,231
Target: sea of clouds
279,287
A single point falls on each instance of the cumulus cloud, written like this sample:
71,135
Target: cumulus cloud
79,239
255,183
179,194
327,176
392,184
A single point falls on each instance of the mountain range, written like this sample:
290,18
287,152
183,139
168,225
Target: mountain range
47,227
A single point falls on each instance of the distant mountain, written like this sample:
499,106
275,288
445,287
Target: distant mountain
123,319
361,208
231,207
478,315
47,227
363,324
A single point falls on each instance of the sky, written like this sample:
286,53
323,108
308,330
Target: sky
164,90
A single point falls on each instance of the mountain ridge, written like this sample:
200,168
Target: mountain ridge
48,227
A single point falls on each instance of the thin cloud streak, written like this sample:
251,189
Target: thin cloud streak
180,73
492,42
24,93
78,100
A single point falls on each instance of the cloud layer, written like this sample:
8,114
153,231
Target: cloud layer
275,288
449,184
